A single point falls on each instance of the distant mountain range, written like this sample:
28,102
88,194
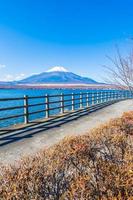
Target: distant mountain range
57,75
6,83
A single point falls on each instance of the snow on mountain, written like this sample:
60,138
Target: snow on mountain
57,69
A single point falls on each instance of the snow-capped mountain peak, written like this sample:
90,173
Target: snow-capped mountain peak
57,75
57,69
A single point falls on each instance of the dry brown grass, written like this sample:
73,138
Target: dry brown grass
98,165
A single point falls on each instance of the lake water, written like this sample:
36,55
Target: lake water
5,93
13,93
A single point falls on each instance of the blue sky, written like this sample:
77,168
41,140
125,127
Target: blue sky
76,34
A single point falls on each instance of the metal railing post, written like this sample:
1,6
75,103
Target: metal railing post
92,99
115,95
122,95
47,105
87,99
26,110
62,103
73,102
112,95
119,95
81,98
109,95
127,95
101,98
97,95
104,96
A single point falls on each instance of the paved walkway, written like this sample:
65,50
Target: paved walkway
15,146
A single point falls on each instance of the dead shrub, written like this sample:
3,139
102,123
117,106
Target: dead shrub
97,165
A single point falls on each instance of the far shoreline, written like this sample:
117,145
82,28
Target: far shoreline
60,86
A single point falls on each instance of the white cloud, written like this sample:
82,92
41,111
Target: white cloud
2,66
19,77
10,77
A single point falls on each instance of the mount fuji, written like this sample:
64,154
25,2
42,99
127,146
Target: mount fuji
57,75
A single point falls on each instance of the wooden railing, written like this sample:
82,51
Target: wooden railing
60,102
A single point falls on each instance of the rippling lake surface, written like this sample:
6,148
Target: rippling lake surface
13,93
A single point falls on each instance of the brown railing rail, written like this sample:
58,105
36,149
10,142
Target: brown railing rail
58,102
